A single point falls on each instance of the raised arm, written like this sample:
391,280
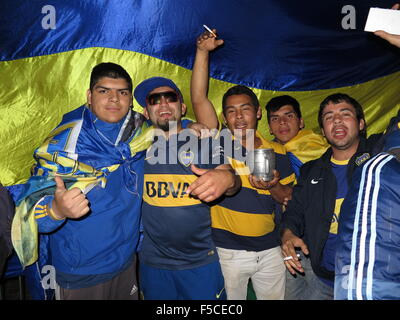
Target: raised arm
202,106
391,38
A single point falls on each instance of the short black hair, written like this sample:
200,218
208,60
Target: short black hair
239,89
278,102
110,70
342,97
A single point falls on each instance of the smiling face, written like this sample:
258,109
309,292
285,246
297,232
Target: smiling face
284,123
110,99
240,114
164,108
341,127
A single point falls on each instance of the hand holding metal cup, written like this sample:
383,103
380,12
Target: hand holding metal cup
261,163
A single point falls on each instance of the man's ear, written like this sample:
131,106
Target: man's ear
89,97
259,113
223,118
183,109
323,132
270,131
302,123
146,114
361,124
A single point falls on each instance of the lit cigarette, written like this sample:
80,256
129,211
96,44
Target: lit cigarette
209,30
290,257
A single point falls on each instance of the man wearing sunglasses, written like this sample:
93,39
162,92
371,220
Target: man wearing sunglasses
178,257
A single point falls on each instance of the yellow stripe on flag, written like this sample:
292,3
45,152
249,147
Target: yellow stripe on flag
37,91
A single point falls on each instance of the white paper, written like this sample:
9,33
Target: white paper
383,19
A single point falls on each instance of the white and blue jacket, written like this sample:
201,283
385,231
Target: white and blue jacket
368,248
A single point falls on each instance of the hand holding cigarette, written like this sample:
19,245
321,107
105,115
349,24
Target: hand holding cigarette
207,41
291,259
209,30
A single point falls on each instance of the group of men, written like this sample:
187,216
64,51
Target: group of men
310,221
209,226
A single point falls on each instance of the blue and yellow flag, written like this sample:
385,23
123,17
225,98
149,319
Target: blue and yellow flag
304,147
306,49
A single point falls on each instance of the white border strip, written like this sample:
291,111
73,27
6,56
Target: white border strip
372,241
356,226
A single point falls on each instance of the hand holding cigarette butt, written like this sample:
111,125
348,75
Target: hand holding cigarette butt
207,41
291,259
209,30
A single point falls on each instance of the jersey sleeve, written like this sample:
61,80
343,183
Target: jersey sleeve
43,219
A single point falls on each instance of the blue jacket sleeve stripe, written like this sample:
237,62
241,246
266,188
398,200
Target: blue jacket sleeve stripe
370,175
371,263
355,233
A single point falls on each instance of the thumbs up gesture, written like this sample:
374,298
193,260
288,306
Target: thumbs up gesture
211,184
69,203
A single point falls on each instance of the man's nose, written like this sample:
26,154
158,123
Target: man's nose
114,96
163,101
337,118
283,119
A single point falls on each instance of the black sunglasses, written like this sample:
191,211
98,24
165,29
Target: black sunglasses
169,96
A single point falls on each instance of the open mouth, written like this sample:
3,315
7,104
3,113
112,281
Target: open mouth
339,133
165,114
240,126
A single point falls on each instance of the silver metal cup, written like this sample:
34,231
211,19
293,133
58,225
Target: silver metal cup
261,163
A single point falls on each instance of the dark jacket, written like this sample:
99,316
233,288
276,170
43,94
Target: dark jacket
7,211
309,213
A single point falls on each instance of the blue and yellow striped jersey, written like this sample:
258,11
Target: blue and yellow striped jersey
246,221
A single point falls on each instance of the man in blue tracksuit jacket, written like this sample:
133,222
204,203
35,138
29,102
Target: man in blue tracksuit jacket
368,255
368,248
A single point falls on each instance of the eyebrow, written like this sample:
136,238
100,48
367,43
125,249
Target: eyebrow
341,110
102,87
286,113
239,106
